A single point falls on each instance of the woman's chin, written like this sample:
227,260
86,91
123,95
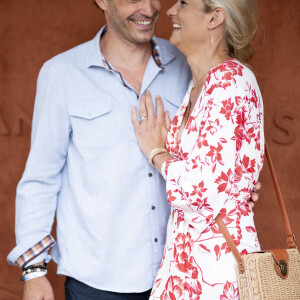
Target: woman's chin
177,44
174,40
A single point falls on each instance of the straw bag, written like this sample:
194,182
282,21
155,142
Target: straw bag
270,274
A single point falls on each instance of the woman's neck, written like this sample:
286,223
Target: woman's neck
203,59
201,62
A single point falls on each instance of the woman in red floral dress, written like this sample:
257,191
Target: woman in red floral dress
211,154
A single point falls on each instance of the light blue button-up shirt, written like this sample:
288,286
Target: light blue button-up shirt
85,165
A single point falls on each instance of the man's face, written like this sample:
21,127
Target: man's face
133,20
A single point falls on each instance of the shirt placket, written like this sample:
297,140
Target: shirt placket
153,68
151,72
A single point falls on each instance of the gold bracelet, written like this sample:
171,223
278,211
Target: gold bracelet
155,152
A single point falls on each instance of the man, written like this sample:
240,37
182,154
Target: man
86,167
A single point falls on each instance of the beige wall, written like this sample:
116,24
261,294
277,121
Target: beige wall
33,31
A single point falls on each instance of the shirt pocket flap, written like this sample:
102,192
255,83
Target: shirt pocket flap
89,108
174,101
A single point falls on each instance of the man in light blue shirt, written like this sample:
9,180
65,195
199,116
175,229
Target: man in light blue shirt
85,164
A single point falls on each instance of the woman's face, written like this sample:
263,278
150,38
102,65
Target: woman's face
190,24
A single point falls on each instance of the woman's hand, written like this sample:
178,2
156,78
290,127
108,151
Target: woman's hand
152,131
255,195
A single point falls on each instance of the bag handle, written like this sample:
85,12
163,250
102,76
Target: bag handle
291,239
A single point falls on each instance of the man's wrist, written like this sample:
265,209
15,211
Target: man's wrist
33,275
35,270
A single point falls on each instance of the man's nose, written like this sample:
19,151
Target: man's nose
147,8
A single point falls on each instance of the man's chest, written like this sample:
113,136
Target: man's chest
99,109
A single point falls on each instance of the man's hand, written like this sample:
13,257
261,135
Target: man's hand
38,289
255,195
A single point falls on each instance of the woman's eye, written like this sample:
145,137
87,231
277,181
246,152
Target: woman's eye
182,2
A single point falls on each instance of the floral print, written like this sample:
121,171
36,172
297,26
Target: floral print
215,166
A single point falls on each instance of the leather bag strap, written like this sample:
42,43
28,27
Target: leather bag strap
231,243
291,240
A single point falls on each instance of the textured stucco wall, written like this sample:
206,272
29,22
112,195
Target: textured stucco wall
33,31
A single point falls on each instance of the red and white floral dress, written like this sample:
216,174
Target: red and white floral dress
217,162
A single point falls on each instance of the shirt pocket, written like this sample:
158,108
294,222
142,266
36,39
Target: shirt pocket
92,124
171,104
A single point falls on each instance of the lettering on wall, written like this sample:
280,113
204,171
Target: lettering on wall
285,131
4,130
14,127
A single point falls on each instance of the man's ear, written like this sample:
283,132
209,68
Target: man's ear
217,18
102,4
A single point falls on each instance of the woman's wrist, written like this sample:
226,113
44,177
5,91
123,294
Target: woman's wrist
154,152
160,159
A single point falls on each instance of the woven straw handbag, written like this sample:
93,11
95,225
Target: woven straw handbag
270,274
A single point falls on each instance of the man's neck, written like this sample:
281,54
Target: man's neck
124,54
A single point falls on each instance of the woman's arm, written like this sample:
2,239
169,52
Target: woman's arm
200,184
228,144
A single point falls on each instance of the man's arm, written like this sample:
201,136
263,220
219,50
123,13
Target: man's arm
38,289
37,191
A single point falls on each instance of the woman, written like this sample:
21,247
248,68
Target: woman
214,149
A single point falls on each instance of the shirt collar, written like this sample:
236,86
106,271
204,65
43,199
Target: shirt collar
95,58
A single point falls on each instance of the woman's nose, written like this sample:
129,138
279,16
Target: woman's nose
172,11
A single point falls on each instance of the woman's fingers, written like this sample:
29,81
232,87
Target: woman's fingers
150,107
143,108
254,197
151,130
167,119
159,109
258,186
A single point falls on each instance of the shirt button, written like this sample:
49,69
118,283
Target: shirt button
153,207
155,240
150,174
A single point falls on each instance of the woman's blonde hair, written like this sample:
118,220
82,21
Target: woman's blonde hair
240,25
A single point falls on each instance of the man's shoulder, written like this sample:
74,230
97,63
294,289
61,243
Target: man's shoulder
74,57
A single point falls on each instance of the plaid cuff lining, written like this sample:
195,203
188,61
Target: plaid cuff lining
36,250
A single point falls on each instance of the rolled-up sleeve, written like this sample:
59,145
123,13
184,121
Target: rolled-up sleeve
38,189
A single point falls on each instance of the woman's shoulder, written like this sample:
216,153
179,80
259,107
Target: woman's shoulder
232,74
232,69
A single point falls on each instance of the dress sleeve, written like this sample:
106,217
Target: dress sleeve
227,144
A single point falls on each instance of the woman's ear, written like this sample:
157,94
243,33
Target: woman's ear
217,18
